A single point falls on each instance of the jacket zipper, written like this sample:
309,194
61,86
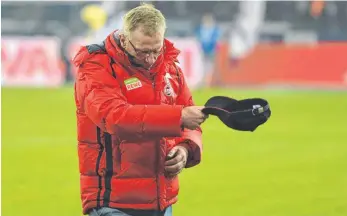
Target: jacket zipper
157,148
157,173
157,158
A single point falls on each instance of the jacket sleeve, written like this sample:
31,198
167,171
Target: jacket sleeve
191,139
100,95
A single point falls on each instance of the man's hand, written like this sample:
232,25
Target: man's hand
176,160
192,117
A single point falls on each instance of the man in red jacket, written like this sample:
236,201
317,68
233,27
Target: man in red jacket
137,124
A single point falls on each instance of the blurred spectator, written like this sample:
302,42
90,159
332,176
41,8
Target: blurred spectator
95,17
208,34
115,11
317,7
246,32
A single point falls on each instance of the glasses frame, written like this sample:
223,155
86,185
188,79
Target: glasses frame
144,54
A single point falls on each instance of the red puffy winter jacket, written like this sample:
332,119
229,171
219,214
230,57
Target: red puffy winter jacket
128,119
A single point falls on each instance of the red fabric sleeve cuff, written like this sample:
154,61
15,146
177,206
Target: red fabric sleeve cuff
192,141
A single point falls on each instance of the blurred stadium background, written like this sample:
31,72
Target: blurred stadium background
292,53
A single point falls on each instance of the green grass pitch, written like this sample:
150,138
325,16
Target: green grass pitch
294,165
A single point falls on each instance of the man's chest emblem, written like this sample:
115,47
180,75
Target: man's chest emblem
132,83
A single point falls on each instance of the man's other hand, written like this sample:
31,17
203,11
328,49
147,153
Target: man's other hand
176,160
192,117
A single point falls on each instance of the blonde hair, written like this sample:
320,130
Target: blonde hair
145,16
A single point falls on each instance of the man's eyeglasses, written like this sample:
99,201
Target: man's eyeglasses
145,53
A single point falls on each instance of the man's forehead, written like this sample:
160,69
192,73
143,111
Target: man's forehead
141,39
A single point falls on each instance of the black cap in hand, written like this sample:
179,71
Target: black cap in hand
243,115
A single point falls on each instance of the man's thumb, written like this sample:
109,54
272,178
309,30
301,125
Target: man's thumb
172,151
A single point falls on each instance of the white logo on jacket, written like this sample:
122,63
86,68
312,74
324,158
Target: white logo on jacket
168,90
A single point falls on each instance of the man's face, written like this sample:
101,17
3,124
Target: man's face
144,48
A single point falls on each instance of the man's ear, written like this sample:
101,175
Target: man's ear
122,40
